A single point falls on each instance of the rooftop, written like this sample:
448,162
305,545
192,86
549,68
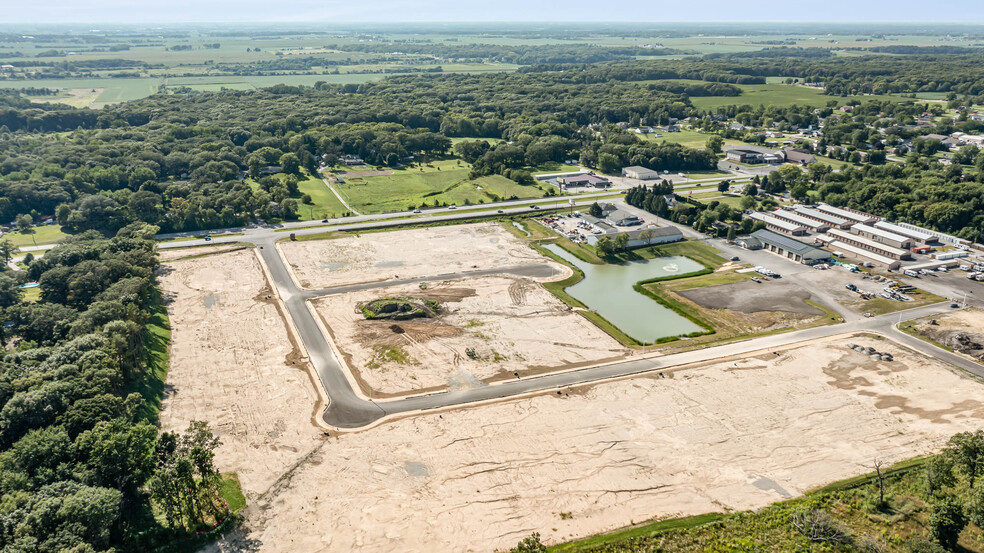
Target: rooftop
785,242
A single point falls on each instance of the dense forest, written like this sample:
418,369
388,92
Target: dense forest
82,467
177,161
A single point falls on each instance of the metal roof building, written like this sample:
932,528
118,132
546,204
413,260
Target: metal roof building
774,223
917,235
845,247
823,217
849,214
790,247
869,245
882,236
793,217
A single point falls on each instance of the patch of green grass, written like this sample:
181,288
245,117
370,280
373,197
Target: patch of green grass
694,249
232,492
31,295
37,236
323,204
703,281
440,182
149,382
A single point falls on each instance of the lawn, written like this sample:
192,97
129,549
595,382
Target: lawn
779,95
688,138
694,249
37,236
443,182
324,203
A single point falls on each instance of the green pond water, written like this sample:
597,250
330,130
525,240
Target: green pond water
608,290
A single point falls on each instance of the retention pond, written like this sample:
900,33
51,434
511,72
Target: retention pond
608,290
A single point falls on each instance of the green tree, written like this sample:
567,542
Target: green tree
24,221
290,163
714,143
946,521
751,190
605,246
7,249
731,234
608,163
966,449
595,210
724,186
530,544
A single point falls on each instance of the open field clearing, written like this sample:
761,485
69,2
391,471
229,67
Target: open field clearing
486,327
36,236
444,182
422,252
732,435
234,365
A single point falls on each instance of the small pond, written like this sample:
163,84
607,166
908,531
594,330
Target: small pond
608,290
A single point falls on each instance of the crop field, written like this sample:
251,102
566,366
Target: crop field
442,182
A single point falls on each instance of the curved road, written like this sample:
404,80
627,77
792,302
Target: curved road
349,410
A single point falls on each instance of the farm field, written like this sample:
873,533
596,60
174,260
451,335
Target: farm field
641,448
443,182
779,95
324,202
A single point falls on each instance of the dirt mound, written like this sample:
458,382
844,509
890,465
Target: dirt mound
967,343
400,308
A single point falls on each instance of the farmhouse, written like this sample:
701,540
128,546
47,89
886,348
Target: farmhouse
641,173
869,245
784,246
882,236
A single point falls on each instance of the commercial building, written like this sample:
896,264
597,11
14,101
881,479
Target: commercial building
941,237
586,179
919,236
777,224
869,245
821,217
793,217
754,154
641,173
621,218
849,214
882,236
785,246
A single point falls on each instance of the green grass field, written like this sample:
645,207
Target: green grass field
779,95
324,205
37,236
443,182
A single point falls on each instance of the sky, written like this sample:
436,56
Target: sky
178,11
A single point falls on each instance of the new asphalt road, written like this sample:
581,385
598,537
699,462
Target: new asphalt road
348,409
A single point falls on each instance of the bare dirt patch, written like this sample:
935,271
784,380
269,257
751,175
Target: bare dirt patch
962,331
412,253
725,436
753,297
234,366
486,327
173,254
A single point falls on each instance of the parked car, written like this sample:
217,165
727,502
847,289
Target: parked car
735,258
416,211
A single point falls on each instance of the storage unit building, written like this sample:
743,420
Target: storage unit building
882,236
869,245
819,216
789,247
778,225
917,235
849,214
793,217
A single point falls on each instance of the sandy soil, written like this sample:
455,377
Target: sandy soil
961,330
488,326
733,435
231,366
377,256
172,254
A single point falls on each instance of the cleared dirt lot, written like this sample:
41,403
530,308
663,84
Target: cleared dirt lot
488,327
431,251
233,366
731,435
752,297
963,331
